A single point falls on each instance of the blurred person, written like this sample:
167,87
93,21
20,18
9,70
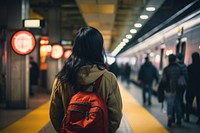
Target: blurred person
182,65
146,76
193,89
184,71
127,73
84,66
169,81
34,76
122,72
114,69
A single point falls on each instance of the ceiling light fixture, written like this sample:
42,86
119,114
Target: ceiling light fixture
138,25
122,43
129,36
150,9
144,17
133,31
125,40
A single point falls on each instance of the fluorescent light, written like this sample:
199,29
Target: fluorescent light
129,36
133,31
110,60
122,44
138,25
116,51
125,40
150,9
144,17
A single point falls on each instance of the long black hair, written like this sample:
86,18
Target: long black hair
87,50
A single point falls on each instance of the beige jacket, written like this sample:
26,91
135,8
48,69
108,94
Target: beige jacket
108,88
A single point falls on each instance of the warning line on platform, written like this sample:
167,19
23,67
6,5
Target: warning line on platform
139,119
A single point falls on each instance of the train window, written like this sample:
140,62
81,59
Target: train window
183,48
161,58
178,48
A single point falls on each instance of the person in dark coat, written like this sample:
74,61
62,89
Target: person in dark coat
127,73
34,76
193,86
114,69
147,74
182,65
184,71
170,77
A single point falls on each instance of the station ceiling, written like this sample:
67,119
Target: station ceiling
114,18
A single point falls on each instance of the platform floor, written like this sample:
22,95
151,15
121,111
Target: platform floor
136,117
160,115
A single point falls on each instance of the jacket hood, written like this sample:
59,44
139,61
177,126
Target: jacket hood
147,63
181,64
88,74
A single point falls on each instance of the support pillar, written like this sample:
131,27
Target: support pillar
54,37
17,70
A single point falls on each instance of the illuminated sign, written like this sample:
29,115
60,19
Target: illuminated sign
57,51
33,23
44,40
45,48
66,42
23,42
67,53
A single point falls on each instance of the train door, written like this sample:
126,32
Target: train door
178,47
183,48
161,58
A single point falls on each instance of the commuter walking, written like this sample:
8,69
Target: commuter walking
182,65
169,82
82,71
114,69
122,72
34,76
193,86
147,74
184,72
127,73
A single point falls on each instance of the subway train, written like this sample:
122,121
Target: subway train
180,37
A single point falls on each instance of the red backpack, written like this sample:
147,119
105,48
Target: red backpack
86,113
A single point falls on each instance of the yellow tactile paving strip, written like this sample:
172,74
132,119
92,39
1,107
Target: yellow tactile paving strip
30,123
140,120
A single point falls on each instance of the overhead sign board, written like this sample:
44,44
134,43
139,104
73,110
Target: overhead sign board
33,23
23,42
66,42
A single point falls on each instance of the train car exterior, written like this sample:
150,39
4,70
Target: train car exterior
181,37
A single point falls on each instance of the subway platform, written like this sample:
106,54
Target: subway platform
136,117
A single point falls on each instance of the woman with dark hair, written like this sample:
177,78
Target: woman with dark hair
85,65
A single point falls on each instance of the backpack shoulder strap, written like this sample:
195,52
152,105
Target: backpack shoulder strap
97,83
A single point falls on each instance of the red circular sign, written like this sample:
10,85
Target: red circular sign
57,51
67,53
23,42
